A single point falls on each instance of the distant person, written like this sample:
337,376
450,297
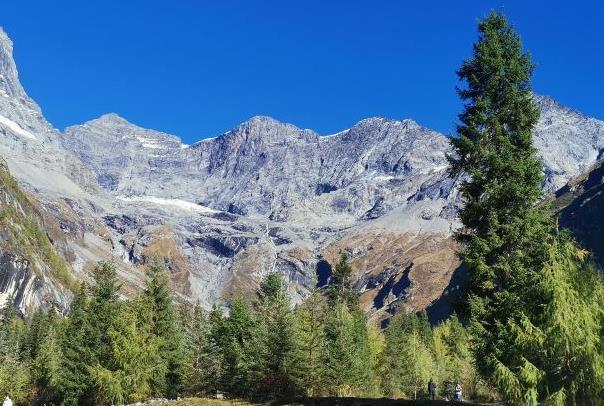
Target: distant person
458,395
432,389
7,401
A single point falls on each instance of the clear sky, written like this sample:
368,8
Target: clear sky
198,68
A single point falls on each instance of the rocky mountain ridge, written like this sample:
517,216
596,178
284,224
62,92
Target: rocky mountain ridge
264,196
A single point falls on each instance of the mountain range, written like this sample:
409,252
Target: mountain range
224,212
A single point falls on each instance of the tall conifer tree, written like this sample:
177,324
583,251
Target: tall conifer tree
306,360
159,313
507,236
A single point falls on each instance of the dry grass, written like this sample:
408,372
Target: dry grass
431,259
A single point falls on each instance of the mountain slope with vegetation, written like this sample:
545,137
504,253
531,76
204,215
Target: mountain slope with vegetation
32,268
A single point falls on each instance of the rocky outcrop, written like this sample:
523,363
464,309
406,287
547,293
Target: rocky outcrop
568,141
32,273
579,206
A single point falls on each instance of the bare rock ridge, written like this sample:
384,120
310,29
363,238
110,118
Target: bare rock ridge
569,142
265,196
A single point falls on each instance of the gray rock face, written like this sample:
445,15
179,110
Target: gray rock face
264,196
264,167
568,141
26,277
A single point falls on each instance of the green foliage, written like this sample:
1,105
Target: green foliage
340,288
46,365
109,351
75,382
27,232
536,324
233,335
135,359
158,314
339,359
348,358
408,364
306,358
272,343
202,360
14,371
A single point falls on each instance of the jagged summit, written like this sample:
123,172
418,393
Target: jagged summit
5,42
548,104
260,123
113,126
111,118
406,124
266,129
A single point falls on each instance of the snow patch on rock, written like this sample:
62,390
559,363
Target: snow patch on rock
16,128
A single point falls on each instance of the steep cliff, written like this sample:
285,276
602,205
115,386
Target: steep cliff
580,205
32,273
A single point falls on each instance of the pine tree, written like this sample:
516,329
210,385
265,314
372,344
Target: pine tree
271,346
339,357
202,354
408,361
14,367
75,382
159,313
46,365
340,287
507,237
306,359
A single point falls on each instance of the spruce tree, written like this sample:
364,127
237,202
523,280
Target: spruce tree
507,237
306,359
504,233
233,335
86,342
46,365
270,348
202,356
103,309
14,365
340,289
158,312
75,383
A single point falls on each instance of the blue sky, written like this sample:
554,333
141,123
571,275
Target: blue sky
198,68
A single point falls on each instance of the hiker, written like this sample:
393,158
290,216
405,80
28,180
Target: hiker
458,396
7,401
432,389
